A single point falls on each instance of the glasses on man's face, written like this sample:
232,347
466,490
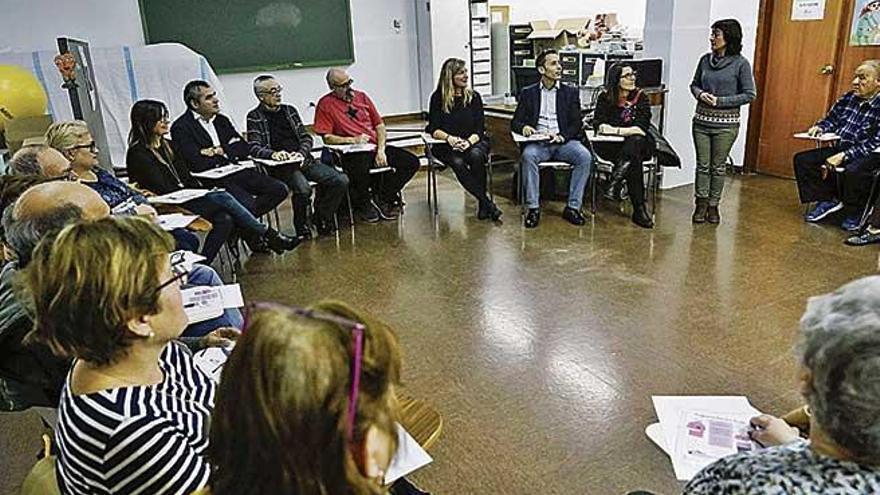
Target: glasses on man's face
629,75
272,91
357,335
179,271
716,34
91,146
346,84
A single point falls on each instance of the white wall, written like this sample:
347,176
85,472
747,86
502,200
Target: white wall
629,12
385,60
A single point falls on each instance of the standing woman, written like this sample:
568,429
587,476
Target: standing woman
456,116
722,83
623,110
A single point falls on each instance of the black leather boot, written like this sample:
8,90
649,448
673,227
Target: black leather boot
617,175
279,242
640,216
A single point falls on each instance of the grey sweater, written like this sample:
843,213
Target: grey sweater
730,79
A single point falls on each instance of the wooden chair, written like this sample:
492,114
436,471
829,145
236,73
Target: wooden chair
421,420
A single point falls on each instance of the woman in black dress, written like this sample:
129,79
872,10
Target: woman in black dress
623,110
456,116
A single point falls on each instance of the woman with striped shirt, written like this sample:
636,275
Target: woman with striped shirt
134,410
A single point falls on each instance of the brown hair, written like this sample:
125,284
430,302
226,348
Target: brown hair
280,422
87,283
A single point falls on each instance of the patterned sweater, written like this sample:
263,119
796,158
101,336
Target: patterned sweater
730,79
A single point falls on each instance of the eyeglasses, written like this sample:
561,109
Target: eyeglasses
91,146
631,75
716,34
179,269
274,91
357,333
346,84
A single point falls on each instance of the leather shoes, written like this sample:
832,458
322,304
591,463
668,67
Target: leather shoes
279,242
573,216
533,218
324,226
641,218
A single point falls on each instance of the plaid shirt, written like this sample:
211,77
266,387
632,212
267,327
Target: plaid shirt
258,132
857,122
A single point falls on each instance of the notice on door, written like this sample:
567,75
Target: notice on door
808,10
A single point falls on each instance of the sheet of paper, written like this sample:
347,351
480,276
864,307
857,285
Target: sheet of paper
828,136
220,172
187,258
277,163
201,303
702,438
519,138
211,360
409,457
807,10
352,148
179,197
669,410
173,221
231,295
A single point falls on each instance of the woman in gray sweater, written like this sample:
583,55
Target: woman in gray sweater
722,83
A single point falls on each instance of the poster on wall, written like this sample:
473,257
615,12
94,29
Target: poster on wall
807,10
866,23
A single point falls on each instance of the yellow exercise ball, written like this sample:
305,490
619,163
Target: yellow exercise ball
21,94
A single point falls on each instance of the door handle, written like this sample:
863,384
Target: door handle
826,70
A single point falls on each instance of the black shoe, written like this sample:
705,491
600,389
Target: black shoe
712,215
863,239
367,214
573,216
257,245
495,213
303,233
324,226
279,242
483,211
388,210
641,218
533,218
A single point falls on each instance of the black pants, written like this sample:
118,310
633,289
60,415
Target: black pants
854,186
635,150
332,185
386,186
257,192
469,167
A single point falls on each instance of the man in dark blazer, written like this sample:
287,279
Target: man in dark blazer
205,139
553,110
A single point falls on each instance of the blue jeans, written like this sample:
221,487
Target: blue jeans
225,213
205,276
572,152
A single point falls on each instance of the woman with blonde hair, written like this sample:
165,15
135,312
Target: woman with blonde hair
456,116
134,409
317,415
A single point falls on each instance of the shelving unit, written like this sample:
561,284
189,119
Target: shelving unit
481,47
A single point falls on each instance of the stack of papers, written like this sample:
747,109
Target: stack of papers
696,431
352,148
179,197
828,136
519,138
205,302
220,172
268,162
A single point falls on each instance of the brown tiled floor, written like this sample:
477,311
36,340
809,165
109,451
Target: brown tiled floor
542,348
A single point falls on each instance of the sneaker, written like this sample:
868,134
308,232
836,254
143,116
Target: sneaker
823,209
863,239
851,223
533,218
367,214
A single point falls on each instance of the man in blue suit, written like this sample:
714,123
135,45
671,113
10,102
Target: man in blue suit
552,109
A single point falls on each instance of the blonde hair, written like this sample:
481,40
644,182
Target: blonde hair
66,134
293,436
446,87
90,280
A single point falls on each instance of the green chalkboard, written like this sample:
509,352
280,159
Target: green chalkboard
254,35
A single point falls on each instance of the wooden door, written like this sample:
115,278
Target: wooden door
796,93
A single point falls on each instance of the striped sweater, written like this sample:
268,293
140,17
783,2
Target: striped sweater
730,79
140,439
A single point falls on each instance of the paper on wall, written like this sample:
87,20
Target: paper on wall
808,10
